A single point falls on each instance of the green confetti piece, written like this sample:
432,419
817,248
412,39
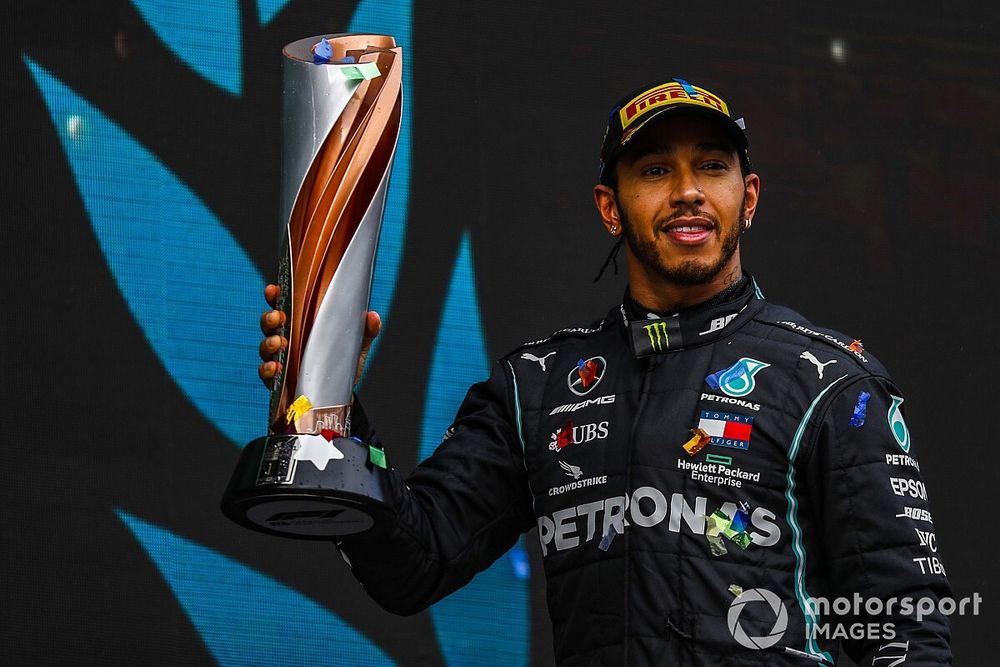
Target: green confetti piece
716,545
742,540
736,589
361,71
377,456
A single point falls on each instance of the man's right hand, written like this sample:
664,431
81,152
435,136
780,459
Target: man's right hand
272,321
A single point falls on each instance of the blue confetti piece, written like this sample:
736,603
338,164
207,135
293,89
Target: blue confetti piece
731,374
740,521
860,410
688,88
608,538
580,363
322,52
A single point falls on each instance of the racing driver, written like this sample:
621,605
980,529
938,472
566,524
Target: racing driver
701,464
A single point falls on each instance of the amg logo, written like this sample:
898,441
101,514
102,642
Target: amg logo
573,407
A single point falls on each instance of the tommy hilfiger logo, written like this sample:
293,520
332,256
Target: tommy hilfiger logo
726,428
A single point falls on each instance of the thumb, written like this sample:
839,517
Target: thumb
373,324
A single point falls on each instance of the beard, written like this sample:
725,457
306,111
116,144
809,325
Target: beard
688,271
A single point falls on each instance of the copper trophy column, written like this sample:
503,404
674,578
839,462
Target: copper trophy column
342,107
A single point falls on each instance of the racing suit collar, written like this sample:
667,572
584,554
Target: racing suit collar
651,333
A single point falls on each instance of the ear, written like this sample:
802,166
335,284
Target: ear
607,206
752,184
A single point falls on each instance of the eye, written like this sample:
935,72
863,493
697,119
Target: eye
714,165
655,170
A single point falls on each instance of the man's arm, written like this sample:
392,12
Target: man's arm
460,510
878,535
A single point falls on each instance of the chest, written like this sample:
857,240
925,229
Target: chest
662,440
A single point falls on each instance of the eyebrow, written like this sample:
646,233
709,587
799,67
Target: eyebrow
704,147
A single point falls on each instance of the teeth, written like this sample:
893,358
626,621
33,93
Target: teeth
688,229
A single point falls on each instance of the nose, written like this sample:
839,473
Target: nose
686,190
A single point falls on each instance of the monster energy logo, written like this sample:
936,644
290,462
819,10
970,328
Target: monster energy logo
658,328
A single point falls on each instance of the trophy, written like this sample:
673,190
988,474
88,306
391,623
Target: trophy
342,108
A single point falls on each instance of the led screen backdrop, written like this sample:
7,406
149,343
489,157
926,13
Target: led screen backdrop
140,189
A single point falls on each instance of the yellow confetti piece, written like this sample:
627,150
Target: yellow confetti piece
697,442
736,589
299,407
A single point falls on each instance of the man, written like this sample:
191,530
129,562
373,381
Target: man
701,464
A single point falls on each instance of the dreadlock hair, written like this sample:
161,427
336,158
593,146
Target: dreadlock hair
612,257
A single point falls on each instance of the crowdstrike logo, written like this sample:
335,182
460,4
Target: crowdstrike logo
756,596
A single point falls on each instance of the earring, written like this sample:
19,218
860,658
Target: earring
614,229
746,224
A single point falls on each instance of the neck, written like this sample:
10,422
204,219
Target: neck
662,295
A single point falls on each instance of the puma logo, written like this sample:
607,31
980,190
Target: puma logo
811,358
541,360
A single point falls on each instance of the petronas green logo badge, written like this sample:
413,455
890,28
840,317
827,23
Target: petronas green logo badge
897,425
737,380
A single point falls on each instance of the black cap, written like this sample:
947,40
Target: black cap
637,109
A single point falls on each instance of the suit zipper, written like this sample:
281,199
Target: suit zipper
647,375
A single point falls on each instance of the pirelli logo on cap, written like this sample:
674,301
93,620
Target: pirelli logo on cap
668,94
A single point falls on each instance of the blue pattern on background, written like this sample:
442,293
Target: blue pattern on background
187,281
247,618
391,17
204,34
486,622
268,9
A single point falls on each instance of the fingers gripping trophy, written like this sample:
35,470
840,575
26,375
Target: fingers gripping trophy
342,108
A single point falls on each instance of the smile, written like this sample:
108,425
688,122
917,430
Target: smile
689,231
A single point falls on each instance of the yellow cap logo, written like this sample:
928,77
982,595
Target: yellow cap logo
668,94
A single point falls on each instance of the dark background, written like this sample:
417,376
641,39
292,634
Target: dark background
878,217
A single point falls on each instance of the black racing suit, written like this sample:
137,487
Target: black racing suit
669,545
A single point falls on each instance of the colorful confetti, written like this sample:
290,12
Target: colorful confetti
299,407
698,441
860,410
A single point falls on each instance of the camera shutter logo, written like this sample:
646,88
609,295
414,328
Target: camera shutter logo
780,621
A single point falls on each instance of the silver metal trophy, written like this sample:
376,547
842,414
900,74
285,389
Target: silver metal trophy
342,108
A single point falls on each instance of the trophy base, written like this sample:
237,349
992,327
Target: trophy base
306,487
